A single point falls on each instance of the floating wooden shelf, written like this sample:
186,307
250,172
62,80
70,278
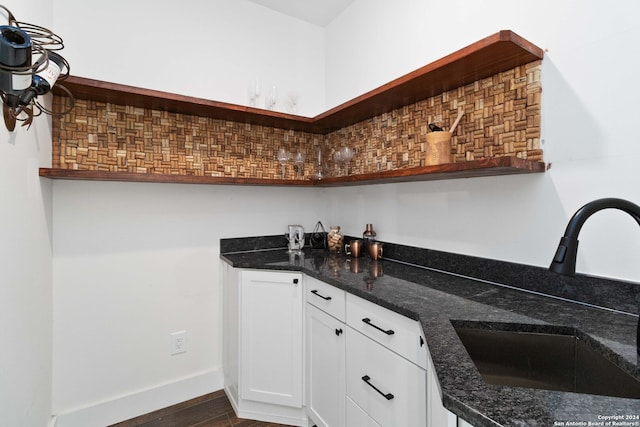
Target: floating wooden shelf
475,168
470,169
497,53
86,175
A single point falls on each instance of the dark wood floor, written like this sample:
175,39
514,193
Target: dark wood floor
211,410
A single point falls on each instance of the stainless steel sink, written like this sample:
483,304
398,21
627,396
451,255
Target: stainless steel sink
549,361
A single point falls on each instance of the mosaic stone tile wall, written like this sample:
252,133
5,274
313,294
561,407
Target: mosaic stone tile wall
501,118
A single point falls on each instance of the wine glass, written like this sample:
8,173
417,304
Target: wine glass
272,98
337,158
292,103
346,154
254,92
283,157
319,174
299,161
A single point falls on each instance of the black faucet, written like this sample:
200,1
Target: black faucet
564,261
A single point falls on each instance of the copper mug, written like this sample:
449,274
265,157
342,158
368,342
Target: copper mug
354,248
375,250
355,265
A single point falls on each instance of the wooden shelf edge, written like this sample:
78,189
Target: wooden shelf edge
496,166
92,175
470,169
499,52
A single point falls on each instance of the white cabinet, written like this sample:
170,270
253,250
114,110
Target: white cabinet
327,298
356,417
389,388
386,361
271,337
394,331
367,372
363,365
325,357
437,414
325,353
230,328
263,344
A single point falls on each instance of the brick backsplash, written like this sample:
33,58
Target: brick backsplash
502,118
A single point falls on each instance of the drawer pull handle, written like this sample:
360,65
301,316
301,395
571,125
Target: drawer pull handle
316,293
338,332
368,322
387,396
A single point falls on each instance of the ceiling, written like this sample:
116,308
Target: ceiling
318,12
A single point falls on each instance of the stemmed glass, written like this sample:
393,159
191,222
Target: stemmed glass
254,92
299,161
337,158
292,103
283,157
346,154
319,175
272,98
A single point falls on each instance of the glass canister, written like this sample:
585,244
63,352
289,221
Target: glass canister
369,235
335,240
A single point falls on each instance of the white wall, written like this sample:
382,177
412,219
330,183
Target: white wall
589,128
201,48
136,262
25,261
366,45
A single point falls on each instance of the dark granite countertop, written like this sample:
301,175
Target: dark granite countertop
435,298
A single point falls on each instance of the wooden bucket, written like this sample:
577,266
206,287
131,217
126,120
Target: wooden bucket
438,148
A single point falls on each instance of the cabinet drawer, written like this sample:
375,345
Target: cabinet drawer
386,386
396,332
356,417
326,297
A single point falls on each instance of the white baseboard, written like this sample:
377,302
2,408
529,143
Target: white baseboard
266,412
135,404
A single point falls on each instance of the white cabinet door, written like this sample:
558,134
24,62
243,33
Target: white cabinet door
325,352
271,337
390,389
356,417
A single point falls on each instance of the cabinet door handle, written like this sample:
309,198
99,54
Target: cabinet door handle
295,281
387,396
316,293
338,332
368,322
